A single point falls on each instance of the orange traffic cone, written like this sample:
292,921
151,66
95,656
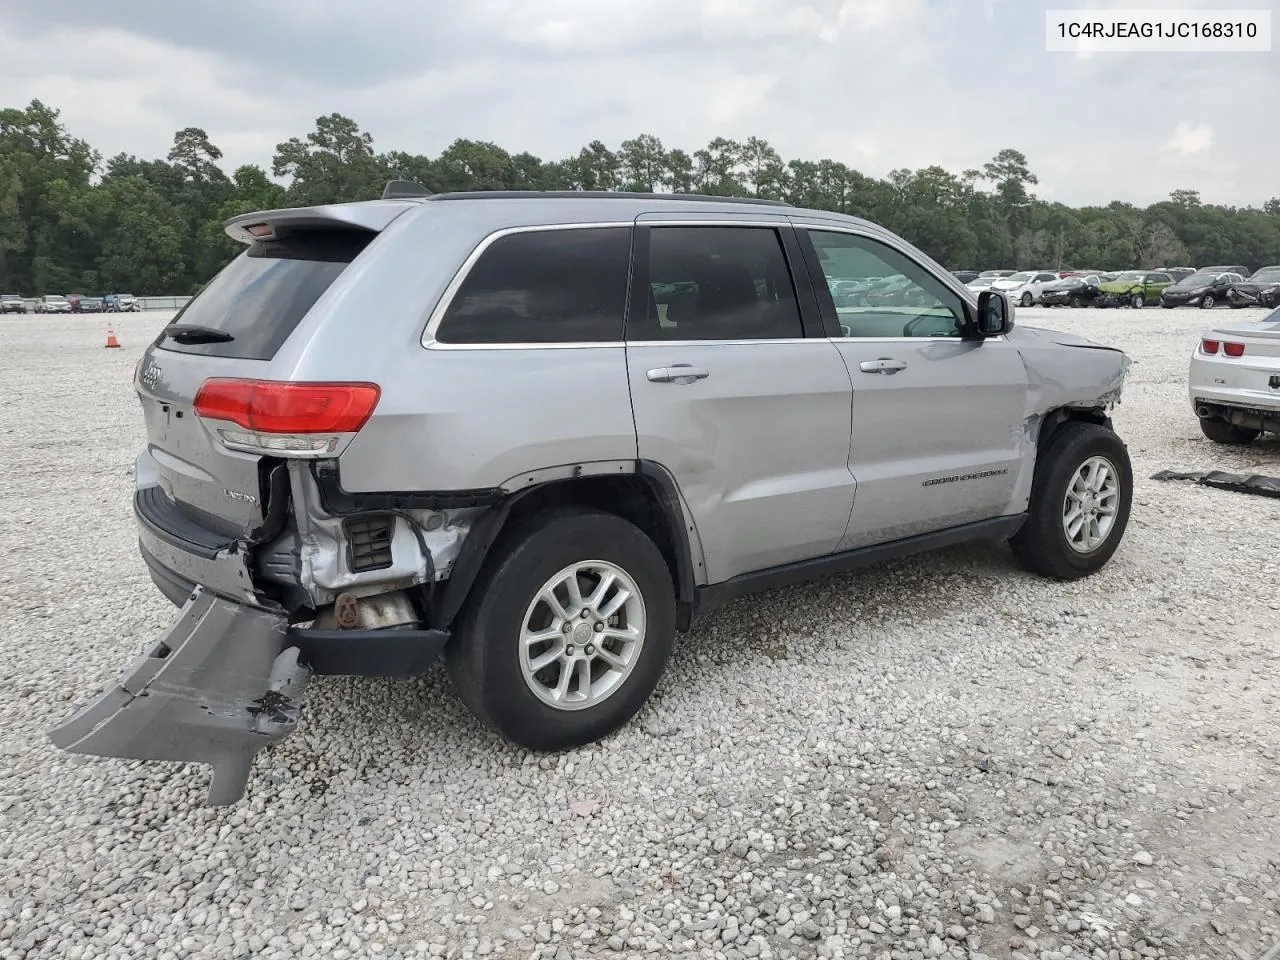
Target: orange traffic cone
111,338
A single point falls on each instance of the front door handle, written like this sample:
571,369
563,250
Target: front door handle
883,365
677,373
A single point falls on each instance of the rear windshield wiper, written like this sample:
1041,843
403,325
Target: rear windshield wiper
194,333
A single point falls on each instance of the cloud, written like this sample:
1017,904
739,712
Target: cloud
876,84
1188,139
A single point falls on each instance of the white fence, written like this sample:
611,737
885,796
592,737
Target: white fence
162,303
144,303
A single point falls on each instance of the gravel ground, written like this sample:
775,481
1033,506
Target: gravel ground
941,757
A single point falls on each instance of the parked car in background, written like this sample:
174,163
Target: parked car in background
1133,288
1178,272
1024,288
1205,290
12,303
53,303
120,303
964,276
87,305
1070,291
851,293
1239,268
1260,290
996,273
978,284
1234,380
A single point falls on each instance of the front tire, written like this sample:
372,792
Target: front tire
568,632
1207,302
1221,431
1076,302
1080,502
1026,300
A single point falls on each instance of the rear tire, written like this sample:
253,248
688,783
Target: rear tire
1137,302
1084,468
494,668
1220,431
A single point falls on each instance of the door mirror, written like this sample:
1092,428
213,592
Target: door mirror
995,314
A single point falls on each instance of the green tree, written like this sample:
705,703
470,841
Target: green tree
334,164
642,163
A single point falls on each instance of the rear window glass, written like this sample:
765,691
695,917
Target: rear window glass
544,286
261,296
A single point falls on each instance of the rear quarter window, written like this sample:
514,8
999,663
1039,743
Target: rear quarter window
558,285
262,295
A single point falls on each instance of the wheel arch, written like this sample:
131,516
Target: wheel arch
647,497
1055,420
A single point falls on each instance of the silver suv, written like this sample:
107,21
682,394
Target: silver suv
539,433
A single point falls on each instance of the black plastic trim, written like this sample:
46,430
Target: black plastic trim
638,290
718,595
802,283
340,502
673,513
600,195
165,519
400,654
453,593
277,516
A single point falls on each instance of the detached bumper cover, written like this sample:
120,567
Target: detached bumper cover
224,682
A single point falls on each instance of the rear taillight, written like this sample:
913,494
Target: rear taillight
1209,346
283,418
260,229
1233,349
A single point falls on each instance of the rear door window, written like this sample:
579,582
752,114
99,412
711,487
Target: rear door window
718,283
558,285
260,297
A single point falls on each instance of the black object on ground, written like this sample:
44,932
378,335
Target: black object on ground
1254,483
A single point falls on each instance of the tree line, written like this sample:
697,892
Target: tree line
71,221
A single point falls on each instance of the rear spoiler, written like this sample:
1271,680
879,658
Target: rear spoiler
372,215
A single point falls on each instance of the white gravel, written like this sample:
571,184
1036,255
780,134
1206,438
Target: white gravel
944,757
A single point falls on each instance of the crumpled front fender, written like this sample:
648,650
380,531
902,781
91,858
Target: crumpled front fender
223,683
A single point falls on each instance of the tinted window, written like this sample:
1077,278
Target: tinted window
1159,278
894,295
718,283
544,286
260,297
1046,277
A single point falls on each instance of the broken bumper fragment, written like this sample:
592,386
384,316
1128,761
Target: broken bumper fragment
225,681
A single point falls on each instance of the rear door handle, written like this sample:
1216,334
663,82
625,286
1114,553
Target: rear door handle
677,373
883,365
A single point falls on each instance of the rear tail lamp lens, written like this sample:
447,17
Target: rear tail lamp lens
1209,346
1233,349
264,406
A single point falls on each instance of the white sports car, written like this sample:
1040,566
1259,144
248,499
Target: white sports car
1235,379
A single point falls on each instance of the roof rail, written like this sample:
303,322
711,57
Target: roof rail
397,189
598,195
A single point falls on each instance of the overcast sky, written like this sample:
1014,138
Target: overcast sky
877,84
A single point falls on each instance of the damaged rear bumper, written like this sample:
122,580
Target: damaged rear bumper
221,684
226,681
